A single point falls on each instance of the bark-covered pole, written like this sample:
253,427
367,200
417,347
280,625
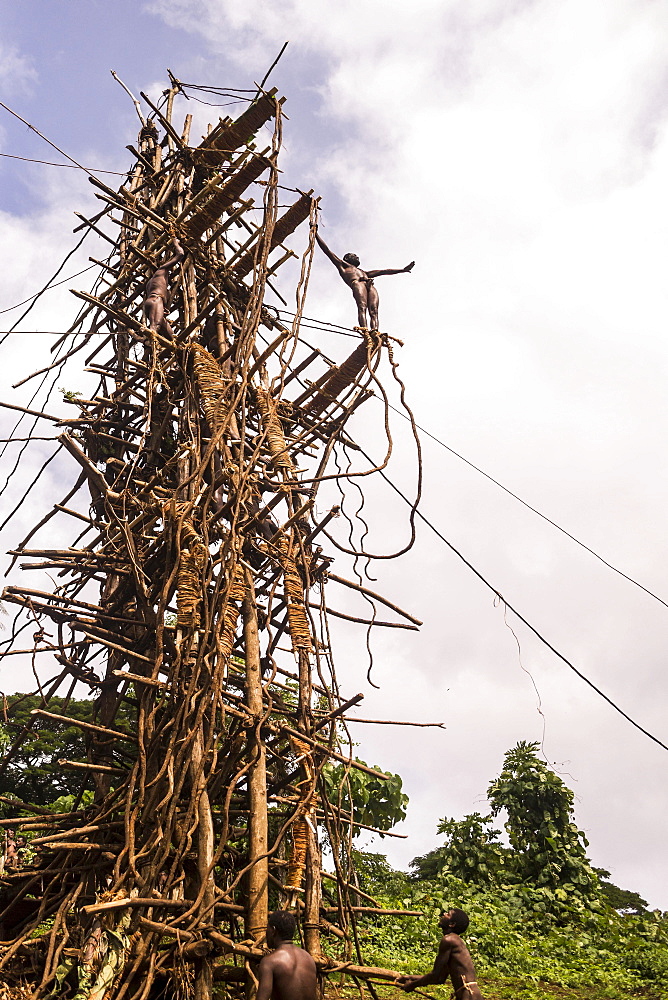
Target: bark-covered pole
257,901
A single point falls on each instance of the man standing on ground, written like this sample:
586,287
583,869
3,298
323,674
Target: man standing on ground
289,973
453,960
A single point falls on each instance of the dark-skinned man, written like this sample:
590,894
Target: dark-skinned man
361,283
289,973
453,961
155,301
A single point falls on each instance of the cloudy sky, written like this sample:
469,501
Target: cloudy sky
518,152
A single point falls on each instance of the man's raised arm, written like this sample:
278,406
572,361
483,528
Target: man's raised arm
393,270
332,256
438,974
178,256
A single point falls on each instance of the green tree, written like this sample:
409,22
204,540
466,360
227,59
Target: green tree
471,852
34,774
549,851
623,900
377,802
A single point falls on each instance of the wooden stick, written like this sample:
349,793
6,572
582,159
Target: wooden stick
374,596
80,765
378,910
363,621
157,902
394,722
82,725
31,413
337,756
338,712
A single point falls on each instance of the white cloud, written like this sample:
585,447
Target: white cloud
17,72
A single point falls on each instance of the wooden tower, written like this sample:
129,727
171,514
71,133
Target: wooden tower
191,604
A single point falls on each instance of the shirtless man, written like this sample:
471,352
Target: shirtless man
361,282
156,293
289,972
453,960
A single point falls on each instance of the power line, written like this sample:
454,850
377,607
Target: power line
517,614
50,286
70,166
524,503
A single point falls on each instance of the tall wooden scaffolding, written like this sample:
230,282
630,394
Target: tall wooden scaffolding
199,458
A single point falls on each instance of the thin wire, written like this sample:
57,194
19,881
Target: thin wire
37,132
517,614
313,319
48,288
539,700
47,285
524,503
334,328
221,91
214,104
70,166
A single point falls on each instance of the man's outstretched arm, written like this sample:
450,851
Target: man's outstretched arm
393,270
438,974
332,256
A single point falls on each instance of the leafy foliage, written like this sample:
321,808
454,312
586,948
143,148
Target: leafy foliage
549,852
610,955
623,900
471,852
34,774
377,802
544,923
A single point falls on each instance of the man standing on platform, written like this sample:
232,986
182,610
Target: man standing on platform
361,283
289,973
452,961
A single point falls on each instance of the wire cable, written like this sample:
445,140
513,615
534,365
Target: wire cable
520,616
534,510
70,166
51,285
35,297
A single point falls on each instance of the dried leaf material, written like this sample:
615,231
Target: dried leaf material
343,376
300,830
223,197
212,385
273,427
228,136
300,628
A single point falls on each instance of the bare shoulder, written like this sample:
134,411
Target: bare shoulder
290,957
450,940
455,942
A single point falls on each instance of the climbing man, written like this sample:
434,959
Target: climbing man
453,960
361,283
289,972
156,293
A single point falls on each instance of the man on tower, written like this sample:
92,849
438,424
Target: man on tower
156,293
289,973
361,283
453,960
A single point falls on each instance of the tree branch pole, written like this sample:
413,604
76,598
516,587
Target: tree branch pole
258,881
